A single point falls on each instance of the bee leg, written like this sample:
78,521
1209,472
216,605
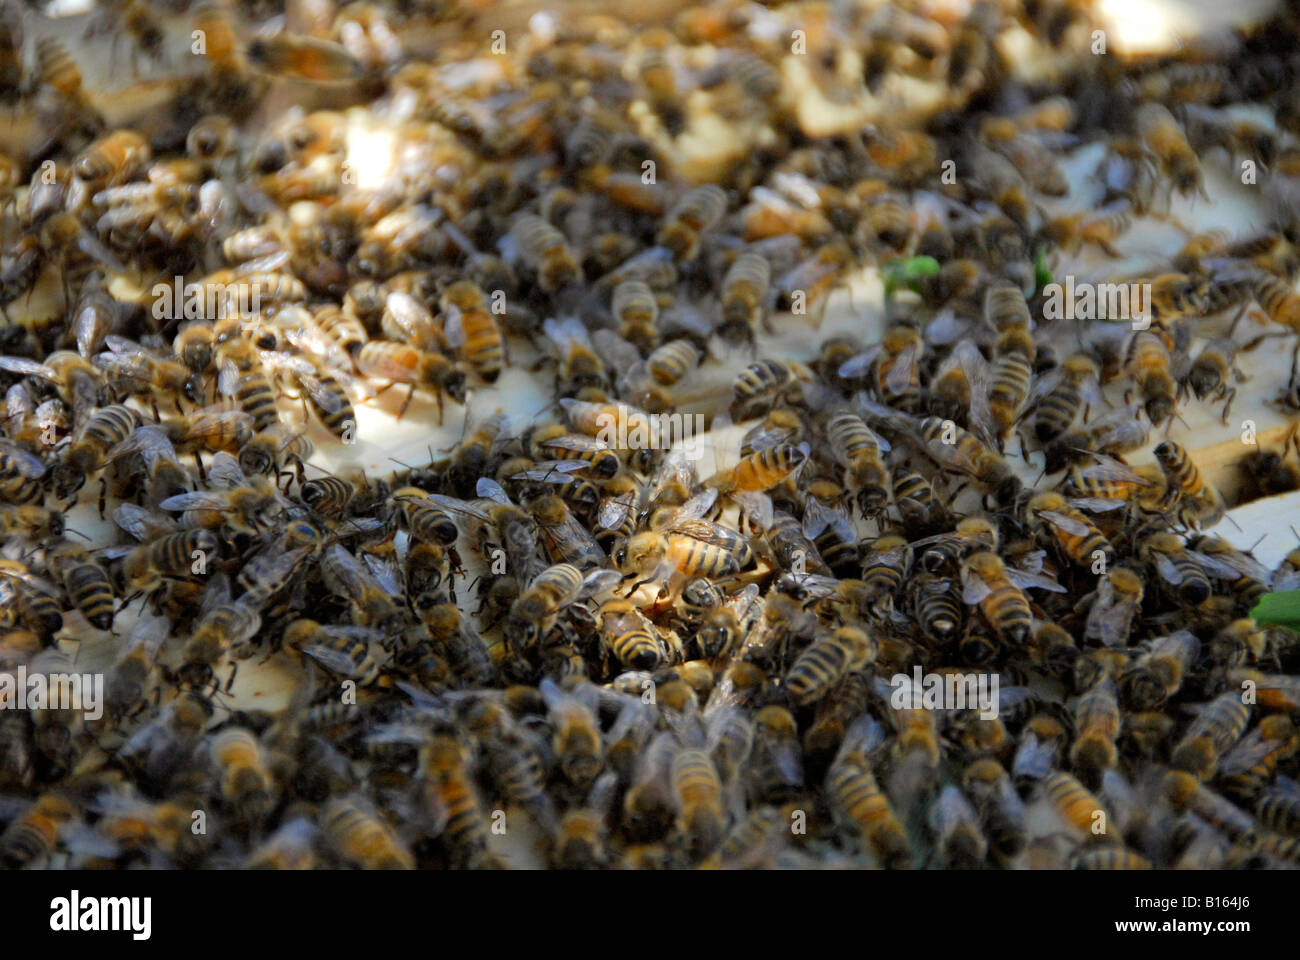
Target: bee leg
198,462
103,495
407,402
1231,393
234,669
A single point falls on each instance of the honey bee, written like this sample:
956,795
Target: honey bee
1199,503
745,293
954,449
565,539
85,581
579,365
312,59
858,802
1216,728
346,576
1186,793
32,838
685,544
825,662
764,380
539,606
1075,534
554,442
246,783
1176,566
985,582
362,838
400,363
546,251
134,665
893,366
1248,767
762,469
695,213
471,329
859,450
1062,397
1165,138
173,555
1119,596
1148,359
1276,806
424,518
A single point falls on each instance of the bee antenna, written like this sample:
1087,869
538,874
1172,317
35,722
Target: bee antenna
1262,538
77,532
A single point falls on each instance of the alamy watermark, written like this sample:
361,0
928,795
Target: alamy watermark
633,430
1098,301
179,300
76,913
945,691
53,691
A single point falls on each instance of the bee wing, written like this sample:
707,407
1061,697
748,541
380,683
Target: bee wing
598,581
1063,522
141,523
1108,468
225,469
757,507
762,436
1096,504
28,368
332,660
973,589
817,517
28,464
368,634
1031,562
491,490
616,348
1026,580
1285,580
815,584
1252,749
858,366
1167,569
358,527
575,441
1044,385
566,332
613,511
328,400
1248,566
228,378
461,506
550,471
694,508
900,373
386,572
195,500
1284,785
453,326
415,322
1215,566
146,441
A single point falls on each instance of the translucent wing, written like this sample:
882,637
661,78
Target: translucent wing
27,368
1067,523
859,365
27,464
1026,580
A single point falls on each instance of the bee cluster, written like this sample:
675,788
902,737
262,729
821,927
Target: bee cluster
651,667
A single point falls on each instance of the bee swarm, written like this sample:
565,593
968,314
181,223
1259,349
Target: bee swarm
572,639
